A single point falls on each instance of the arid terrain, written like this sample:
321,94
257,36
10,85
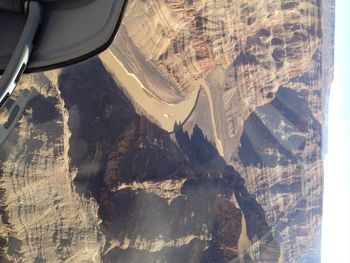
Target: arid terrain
263,69
85,178
197,137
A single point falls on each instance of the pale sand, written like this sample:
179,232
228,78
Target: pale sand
244,243
218,143
165,114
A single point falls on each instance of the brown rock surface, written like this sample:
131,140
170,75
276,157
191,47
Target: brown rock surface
43,219
243,50
154,203
84,177
265,69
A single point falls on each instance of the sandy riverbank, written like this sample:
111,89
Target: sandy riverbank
165,114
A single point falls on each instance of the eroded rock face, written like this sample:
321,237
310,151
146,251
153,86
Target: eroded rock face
243,50
280,155
265,68
154,204
83,177
43,219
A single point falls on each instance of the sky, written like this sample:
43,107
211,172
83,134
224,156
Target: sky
336,198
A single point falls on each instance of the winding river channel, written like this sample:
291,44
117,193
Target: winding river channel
166,114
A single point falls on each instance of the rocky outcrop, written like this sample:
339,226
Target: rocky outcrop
280,156
158,201
83,177
43,219
266,68
243,50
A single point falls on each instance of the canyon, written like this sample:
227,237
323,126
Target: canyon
196,137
